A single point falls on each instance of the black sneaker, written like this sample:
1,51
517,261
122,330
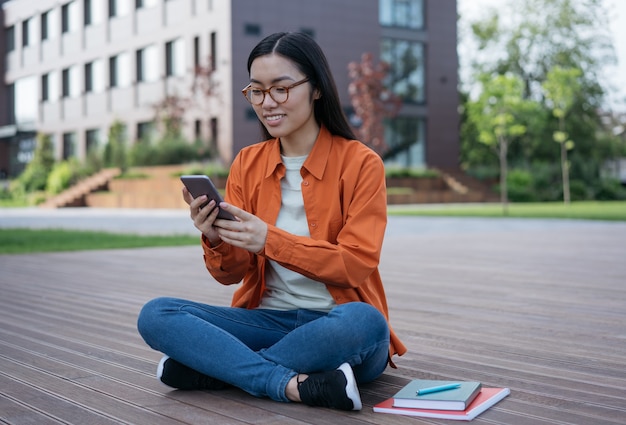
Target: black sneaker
336,389
177,375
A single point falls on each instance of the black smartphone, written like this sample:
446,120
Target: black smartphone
199,185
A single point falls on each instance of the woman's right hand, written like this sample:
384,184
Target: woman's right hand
203,218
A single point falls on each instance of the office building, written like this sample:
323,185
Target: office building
74,67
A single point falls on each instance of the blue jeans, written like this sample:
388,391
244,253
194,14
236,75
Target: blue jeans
260,350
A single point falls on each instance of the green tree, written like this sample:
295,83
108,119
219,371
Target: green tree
36,173
561,88
115,154
545,34
495,117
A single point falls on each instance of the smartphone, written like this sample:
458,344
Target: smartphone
199,185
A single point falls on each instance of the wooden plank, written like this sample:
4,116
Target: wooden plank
539,309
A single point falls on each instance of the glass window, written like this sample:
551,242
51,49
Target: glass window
406,78
93,140
94,76
405,137
402,13
70,84
119,70
69,145
252,29
26,99
175,58
146,131
119,8
147,64
49,25
93,13
9,34
140,4
49,87
28,32
70,21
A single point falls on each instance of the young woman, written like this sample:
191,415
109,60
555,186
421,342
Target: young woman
310,319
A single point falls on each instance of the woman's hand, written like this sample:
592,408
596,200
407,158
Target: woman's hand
248,232
203,218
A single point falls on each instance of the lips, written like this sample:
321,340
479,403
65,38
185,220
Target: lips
271,118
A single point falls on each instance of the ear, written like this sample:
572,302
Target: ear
317,94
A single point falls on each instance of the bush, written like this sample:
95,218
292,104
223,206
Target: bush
521,186
166,152
399,172
609,190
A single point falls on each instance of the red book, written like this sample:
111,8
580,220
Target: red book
485,399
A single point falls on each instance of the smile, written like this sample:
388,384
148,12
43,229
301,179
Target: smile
274,117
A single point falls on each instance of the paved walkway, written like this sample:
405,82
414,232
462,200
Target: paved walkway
176,221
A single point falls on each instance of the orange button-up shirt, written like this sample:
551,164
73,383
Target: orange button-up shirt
345,200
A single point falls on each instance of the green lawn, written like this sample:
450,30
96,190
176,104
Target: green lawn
23,241
615,211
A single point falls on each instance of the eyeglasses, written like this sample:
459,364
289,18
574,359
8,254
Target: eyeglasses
279,94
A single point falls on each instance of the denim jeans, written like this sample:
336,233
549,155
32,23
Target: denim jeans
260,350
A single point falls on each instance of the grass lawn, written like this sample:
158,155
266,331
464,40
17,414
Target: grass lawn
23,241
615,211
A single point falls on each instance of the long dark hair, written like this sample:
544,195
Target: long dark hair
301,49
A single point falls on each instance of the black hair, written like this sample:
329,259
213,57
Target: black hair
303,51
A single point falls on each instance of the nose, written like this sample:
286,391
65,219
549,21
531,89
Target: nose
268,102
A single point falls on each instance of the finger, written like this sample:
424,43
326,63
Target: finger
237,212
187,196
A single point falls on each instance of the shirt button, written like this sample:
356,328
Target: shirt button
305,183
313,225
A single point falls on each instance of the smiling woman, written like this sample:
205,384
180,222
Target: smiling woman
310,320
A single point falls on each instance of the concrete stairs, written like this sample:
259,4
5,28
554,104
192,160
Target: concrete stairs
75,195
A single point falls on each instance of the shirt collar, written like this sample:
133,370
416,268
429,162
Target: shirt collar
315,162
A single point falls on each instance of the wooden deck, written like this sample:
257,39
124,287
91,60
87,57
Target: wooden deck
541,310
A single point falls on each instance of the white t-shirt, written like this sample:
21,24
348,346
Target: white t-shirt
286,289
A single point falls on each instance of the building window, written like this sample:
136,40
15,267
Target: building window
196,51
28,29
49,87
405,137
92,11
94,76
141,4
252,29
402,13
406,78
146,131
175,58
45,87
213,59
214,130
45,25
70,82
92,140
69,17
9,35
119,70
69,145
118,8
147,64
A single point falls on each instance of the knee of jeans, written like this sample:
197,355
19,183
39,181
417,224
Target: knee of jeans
366,313
149,315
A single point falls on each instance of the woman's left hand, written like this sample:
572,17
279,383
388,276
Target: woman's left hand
249,232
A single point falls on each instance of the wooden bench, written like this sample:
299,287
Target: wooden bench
538,309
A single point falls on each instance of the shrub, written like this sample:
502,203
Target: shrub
521,186
609,190
63,175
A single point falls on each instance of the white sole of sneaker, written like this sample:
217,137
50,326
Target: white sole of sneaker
352,390
159,372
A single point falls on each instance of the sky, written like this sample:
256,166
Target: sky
616,75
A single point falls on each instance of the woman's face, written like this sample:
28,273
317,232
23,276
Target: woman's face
294,119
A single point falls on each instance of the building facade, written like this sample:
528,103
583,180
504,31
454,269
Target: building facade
74,67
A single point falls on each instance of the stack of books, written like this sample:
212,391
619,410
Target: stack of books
442,399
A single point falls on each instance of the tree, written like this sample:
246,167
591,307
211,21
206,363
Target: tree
115,154
371,100
495,115
561,89
545,34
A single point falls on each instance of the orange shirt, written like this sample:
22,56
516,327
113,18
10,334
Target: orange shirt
345,200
